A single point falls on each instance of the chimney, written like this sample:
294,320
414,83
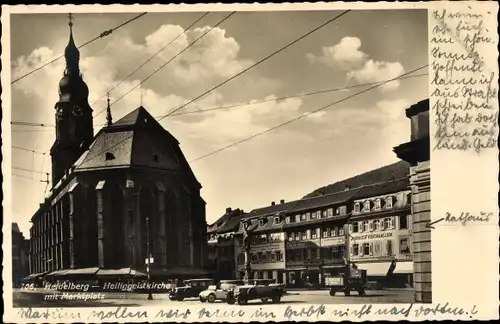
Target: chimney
273,203
228,210
347,187
282,201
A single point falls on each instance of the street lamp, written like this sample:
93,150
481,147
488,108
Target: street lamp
150,296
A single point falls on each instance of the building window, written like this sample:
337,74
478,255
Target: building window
333,231
378,204
304,235
314,234
330,212
287,220
308,216
388,202
341,230
313,215
276,220
297,218
355,249
261,222
403,222
279,256
356,207
366,248
355,228
325,232
303,217
366,206
314,254
366,227
342,210
297,236
404,247
376,224
388,223
324,213
290,236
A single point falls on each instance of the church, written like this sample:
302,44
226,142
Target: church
121,200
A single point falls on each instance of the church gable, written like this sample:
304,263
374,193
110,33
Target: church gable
151,149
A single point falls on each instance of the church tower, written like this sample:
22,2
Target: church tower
74,128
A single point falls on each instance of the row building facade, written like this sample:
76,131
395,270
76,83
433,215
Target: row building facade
300,242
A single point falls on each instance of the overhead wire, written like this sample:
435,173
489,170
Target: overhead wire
147,61
302,116
173,58
102,35
257,63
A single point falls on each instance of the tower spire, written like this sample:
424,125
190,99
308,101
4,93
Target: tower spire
72,54
108,112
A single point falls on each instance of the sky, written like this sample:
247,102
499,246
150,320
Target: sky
346,139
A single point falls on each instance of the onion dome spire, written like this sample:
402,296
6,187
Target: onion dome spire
108,113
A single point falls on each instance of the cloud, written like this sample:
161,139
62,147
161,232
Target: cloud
378,71
345,54
361,69
394,109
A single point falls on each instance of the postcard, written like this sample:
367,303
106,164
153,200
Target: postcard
250,162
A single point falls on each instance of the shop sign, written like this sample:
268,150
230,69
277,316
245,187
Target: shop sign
266,247
332,241
373,236
302,244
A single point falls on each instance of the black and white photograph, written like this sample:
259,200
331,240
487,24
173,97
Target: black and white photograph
220,157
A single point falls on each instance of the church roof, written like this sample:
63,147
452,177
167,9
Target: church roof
136,140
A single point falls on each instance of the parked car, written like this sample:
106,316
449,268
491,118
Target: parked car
263,289
191,289
218,292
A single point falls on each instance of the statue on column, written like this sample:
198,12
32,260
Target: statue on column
246,249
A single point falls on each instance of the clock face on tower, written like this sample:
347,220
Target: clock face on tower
77,111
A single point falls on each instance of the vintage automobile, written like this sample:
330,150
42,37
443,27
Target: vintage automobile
263,289
218,292
355,280
191,289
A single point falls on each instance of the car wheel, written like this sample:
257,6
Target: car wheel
172,298
211,298
347,292
265,300
242,301
276,299
203,300
332,292
230,300
180,298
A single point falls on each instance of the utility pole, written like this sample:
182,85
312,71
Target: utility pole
150,296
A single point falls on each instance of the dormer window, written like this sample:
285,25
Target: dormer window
109,156
378,204
356,207
366,206
342,210
287,220
261,222
277,220
388,202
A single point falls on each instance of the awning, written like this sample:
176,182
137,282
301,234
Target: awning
375,268
120,272
404,267
57,272
84,271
